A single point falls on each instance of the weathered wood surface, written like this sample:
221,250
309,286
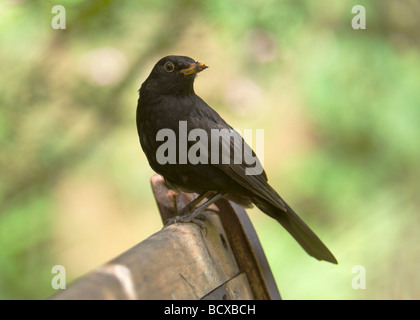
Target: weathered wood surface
182,261
178,262
241,236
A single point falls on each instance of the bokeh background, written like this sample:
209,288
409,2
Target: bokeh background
340,109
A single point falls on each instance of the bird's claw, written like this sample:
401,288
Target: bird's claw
196,219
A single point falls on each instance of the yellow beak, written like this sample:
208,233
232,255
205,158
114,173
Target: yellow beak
194,68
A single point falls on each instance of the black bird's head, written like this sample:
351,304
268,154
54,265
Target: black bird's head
173,75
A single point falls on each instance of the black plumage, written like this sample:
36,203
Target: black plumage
167,98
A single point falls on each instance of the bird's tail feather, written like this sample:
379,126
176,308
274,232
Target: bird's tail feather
297,228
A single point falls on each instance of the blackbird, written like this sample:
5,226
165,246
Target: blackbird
167,103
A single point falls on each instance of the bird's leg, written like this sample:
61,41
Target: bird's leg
185,214
205,205
189,215
190,206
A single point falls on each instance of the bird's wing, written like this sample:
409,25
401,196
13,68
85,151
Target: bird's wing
250,176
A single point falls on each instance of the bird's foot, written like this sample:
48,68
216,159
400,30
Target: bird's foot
190,214
189,218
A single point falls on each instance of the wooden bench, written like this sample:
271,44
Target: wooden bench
225,261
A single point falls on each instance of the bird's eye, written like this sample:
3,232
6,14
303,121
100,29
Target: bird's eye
169,66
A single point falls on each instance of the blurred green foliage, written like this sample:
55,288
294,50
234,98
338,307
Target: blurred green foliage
340,109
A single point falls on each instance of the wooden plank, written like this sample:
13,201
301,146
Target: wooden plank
241,236
248,251
236,288
179,262
223,261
